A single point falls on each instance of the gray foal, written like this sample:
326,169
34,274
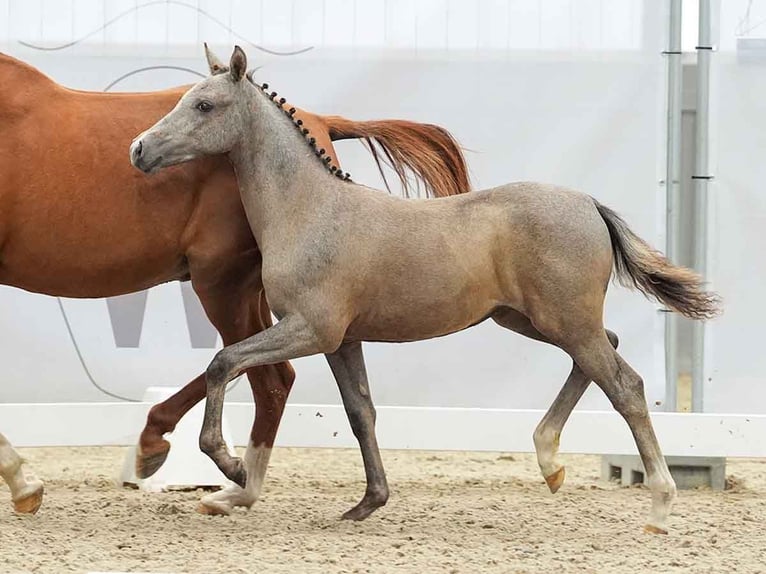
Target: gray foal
343,263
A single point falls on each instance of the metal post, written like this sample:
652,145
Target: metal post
701,178
672,192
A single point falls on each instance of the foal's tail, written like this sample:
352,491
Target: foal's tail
427,151
639,265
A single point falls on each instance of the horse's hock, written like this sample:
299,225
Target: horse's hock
689,472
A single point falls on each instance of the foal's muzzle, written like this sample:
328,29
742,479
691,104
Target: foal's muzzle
139,159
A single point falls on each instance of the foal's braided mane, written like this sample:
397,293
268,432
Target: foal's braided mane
298,123
429,152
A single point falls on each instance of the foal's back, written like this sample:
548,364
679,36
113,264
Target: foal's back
521,216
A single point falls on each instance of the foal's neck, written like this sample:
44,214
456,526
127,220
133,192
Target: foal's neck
283,184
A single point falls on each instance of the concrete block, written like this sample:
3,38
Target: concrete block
688,471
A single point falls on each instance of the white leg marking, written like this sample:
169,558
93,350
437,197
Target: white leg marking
223,502
663,489
21,487
546,445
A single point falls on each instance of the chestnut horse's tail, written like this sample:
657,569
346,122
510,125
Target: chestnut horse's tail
639,265
428,151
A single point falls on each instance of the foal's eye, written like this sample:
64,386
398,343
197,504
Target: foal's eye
204,106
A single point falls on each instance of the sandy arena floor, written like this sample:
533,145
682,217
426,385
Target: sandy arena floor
457,513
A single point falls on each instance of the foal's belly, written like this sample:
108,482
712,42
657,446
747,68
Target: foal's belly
404,331
418,317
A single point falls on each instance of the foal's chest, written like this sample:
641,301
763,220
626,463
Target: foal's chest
291,274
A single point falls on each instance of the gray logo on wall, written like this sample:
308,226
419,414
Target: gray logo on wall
126,314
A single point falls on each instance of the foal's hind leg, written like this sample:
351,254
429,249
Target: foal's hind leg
548,431
625,389
347,364
26,492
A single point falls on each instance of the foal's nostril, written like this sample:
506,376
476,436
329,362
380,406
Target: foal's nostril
139,148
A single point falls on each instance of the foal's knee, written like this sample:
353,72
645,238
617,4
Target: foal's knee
219,369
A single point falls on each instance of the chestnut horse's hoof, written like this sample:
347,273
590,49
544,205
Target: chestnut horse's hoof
150,462
30,503
555,480
651,529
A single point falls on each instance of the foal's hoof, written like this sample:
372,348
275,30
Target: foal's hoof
359,512
30,503
212,509
555,480
651,529
147,463
366,507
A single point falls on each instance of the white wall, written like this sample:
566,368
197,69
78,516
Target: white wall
422,24
567,92
735,381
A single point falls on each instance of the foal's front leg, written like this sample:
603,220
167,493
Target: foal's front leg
291,338
347,365
26,492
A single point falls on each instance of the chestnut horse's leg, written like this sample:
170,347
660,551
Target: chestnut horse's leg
271,386
26,492
162,418
235,304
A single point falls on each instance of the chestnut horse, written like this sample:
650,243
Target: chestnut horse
89,225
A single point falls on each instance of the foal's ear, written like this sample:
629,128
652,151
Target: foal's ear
238,64
214,63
